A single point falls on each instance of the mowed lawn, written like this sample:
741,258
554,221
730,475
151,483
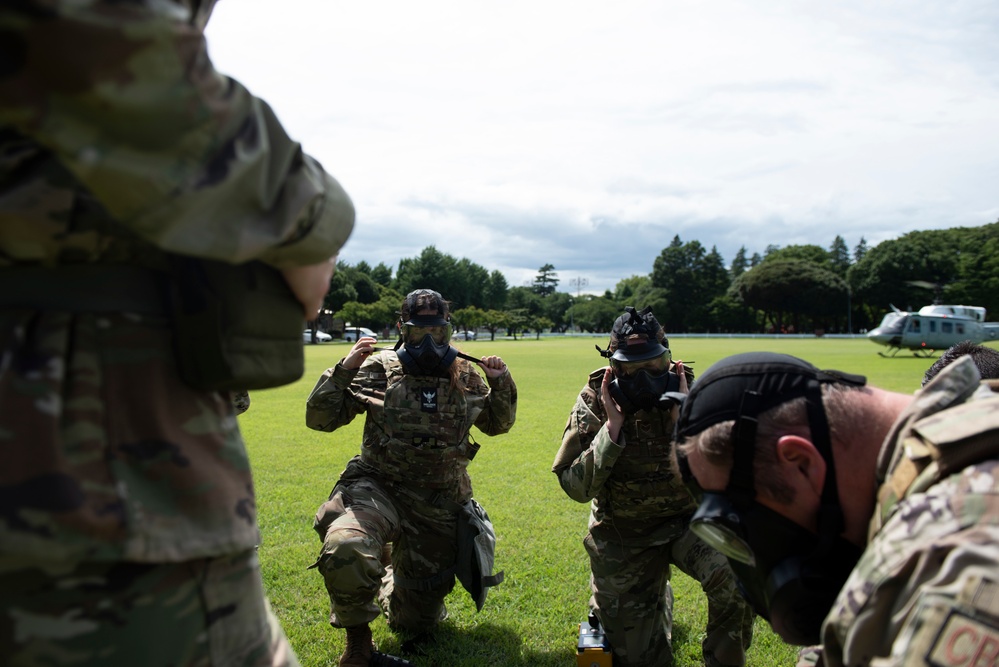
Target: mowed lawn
531,619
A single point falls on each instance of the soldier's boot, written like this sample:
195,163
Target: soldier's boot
359,648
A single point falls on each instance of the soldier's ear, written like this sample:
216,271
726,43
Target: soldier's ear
801,461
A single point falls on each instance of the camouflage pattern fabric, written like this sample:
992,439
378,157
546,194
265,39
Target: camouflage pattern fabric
362,517
116,148
383,498
639,515
127,125
926,590
197,613
634,604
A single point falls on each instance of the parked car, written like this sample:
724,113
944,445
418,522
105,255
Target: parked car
463,335
321,336
351,334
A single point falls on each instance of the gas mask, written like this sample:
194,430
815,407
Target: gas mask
640,360
790,575
643,389
424,346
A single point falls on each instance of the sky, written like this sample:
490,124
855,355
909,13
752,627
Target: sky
586,135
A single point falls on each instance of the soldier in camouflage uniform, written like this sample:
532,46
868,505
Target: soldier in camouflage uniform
876,510
127,517
421,402
616,453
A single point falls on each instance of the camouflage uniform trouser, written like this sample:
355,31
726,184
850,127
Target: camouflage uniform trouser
361,518
633,601
202,613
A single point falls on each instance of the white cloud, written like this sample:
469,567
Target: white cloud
502,132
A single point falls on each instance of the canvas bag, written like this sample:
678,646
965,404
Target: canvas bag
476,552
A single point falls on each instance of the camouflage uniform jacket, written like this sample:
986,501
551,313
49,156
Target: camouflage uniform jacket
430,446
119,144
631,483
926,590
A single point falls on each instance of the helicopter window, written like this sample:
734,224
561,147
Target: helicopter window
933,326
946,327
960,328
915,325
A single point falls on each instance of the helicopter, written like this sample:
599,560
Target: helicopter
932,328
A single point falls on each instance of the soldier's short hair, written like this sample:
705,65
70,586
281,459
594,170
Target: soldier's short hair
985,358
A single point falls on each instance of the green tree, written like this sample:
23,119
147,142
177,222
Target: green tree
595,314
460,281
977,281
494,294
691,278
539,324
470,318
525,299
808,253
517,321
809,295
839,257
555,308
626,288
470,284
432,269
860,251
740,264
380,315
891,273
382,274
546,281
494,321
341,291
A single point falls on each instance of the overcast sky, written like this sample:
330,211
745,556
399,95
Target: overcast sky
587,134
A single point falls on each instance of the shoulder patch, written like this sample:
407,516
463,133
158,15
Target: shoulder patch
964,641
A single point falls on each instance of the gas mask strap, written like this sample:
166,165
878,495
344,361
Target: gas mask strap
831,522
741,486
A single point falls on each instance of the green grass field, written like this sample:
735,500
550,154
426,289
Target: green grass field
531,619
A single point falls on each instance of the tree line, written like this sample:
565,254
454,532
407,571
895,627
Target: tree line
796,288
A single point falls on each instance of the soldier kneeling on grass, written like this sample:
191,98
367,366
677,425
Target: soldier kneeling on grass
615,454
398,526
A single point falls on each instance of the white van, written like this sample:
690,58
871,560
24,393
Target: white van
351,334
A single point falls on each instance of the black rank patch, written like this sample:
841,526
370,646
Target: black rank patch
428,399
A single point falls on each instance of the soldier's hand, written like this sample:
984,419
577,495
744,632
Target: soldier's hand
310,284
615,416
362,349
681,371
493,366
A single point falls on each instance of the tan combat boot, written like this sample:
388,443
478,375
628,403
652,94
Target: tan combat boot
359,647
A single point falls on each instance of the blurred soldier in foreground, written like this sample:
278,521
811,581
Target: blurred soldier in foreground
133,178
861,519
616,452
410,485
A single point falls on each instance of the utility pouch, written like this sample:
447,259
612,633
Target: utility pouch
235,326
476,552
